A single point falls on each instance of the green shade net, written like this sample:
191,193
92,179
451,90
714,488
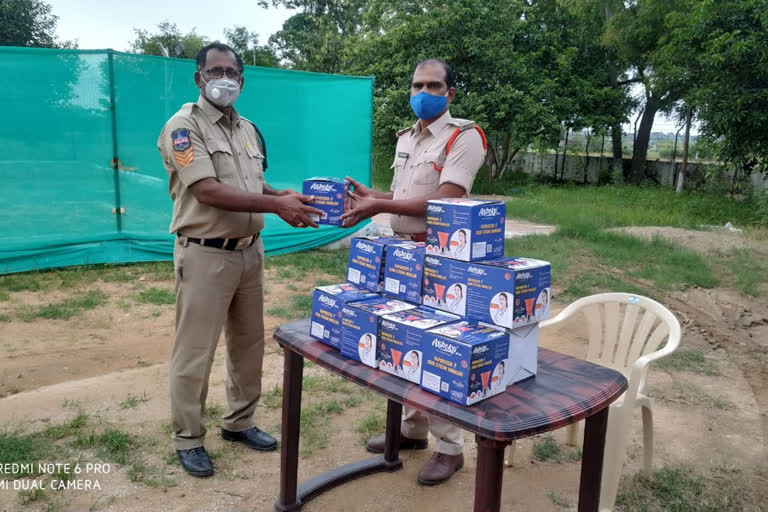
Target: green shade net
59,190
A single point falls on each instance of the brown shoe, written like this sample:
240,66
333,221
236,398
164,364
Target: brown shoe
440,468
376,445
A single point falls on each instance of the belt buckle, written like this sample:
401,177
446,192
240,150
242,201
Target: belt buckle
244,242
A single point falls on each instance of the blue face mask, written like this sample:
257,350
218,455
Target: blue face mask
427,106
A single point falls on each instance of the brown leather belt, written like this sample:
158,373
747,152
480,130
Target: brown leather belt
417,237
228,244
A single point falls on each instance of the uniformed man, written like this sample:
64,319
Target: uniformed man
214,160
426,167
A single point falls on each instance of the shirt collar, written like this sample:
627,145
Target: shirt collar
436,126
213,113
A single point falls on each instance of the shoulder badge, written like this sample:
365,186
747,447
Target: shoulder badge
183,152
180,139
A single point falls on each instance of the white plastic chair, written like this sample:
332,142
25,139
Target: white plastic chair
625,333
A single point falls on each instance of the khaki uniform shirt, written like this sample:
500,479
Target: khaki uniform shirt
415,175
200,142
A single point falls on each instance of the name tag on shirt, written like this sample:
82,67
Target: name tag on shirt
403,154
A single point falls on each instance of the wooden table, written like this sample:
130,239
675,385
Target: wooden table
565,390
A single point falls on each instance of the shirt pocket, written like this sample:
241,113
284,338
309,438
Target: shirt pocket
424,169
223,161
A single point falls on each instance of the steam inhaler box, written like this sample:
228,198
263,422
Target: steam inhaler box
445,284
466,362
400,351
465,229
331,195
508,292
327,303
366,261
360,326
404,271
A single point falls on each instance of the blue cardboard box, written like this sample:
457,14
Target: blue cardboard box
445,284
360,327
366,261
404,271
327,303
400,351
465,229
331,196
468,361
508,292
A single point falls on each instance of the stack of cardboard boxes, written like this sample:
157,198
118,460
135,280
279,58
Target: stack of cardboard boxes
452,315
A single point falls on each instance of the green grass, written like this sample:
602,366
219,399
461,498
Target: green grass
625,205
5,318
683,489
66,308
557,500
693,361
4,296
132,401
273,399
298,306
314,425
22,449
157,296
372,425
750,271
31,496
213,412
73,428
307,263
546,449
151,475
112,444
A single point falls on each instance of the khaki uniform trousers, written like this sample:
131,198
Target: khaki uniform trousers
216,289
416,424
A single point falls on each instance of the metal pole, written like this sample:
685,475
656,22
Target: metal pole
115,161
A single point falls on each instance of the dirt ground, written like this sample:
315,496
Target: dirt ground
97,359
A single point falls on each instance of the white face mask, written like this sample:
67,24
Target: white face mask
223,91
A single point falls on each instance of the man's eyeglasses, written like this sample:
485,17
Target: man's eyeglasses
217,73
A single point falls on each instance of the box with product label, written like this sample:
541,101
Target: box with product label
404,271
327,303
508,292
465,229
366,261
360,326
399,350
466,362
445,284
331,196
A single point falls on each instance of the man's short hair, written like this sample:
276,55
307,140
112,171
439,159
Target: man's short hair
202,55
450,76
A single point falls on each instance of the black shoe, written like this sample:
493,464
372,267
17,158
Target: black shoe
196,461
252,438
377,444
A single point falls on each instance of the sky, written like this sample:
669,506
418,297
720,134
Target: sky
100,24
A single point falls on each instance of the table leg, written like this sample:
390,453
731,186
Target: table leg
392,434
592,461
289,443
489,474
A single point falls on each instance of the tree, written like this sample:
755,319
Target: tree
315,38
29,23
725,42
522,68
638,34
247,45
168,42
